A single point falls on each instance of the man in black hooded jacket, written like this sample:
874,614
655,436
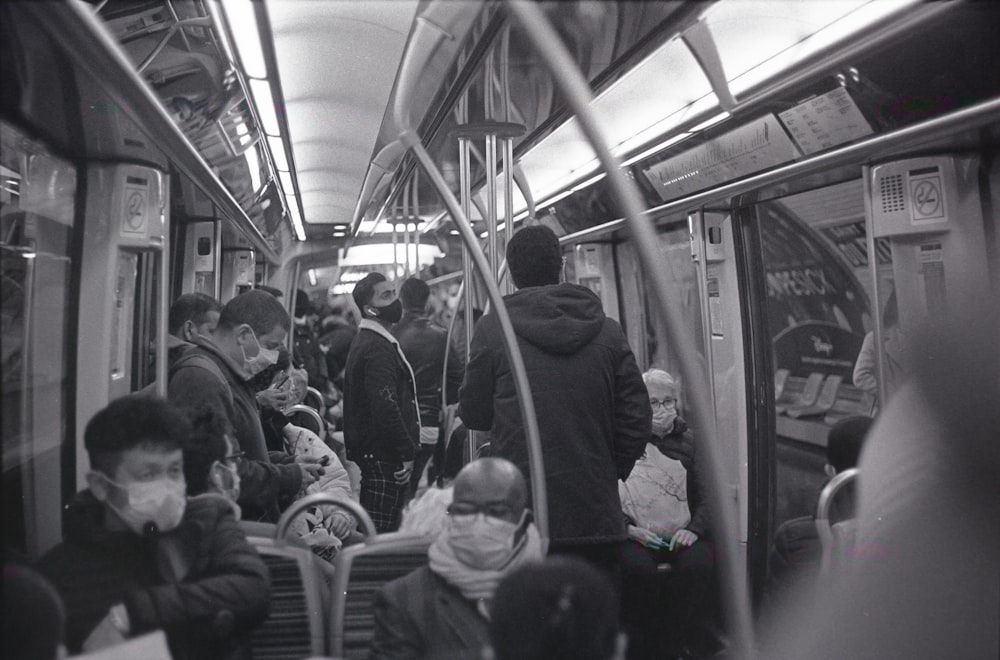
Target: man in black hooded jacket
593,409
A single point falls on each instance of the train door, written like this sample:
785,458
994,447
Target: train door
39,237
714,257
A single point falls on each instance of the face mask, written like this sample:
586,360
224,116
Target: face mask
391,313
663,419
483,543
265,357
226,480
159,502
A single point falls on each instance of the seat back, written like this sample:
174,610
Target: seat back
307,417
294,627
359,572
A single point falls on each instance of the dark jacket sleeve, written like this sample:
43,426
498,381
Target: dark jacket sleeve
477,391
456,371
396,633
387,420
633,414
234,579
698,491
261,483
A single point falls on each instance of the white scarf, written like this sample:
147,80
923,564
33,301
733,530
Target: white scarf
368,324
479,585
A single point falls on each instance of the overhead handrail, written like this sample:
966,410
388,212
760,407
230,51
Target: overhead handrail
560,64
408,76
324,499
83,35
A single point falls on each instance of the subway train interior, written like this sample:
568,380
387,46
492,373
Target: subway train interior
758,191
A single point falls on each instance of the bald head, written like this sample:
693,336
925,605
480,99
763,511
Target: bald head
492,483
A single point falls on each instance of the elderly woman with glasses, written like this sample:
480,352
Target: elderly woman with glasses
667,563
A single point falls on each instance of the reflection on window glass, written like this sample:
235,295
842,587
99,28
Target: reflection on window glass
37,193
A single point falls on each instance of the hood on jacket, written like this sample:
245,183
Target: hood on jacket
558,318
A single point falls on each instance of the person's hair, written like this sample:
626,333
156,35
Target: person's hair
34,618
560,608
534,257
191,307
890,315
365,290
135,420
203,446
303,305
844,442
414,293
659,377
261,311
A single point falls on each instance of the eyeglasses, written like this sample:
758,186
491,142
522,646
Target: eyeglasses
464,512
665,403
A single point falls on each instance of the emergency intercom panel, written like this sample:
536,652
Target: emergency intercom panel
914,196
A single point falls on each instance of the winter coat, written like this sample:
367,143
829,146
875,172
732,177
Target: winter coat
592,406
201,583
380,409
264,476
422,616
424,345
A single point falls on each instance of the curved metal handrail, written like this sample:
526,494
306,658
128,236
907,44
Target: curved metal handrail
560,64
298,506
321,409
408,76
311,412
829,492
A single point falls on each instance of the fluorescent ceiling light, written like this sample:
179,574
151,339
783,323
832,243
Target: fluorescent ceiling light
659,147
340,289
262,100
312,277
243,24
382,253
287,185
353,276
593,179
253,163
296,217
277,146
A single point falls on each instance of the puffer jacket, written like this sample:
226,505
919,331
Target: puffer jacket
592,407
202,583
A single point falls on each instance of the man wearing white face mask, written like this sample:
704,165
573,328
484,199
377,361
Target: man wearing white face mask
138,556
442,610
216,373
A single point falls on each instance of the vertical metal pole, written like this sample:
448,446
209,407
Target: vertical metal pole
406,231
395,252
468,272
491,203
416,224
508,203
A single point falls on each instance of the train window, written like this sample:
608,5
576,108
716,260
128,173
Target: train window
816,266
37,193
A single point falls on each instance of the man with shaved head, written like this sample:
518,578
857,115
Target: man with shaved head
441,610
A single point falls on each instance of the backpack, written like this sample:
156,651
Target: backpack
192,359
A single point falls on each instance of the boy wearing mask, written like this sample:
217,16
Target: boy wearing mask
138,556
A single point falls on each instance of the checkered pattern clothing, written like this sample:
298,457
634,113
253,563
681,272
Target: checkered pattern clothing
381,496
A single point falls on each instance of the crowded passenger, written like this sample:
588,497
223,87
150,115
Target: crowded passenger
796,553
441,610
338,332
866,368
381,420
191,317
306,352
138,556
211,459
593,409
427,513
667,562
252,327
424,344
34,618
555,610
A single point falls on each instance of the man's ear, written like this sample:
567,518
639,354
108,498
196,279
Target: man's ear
97,483
831,471
188,330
